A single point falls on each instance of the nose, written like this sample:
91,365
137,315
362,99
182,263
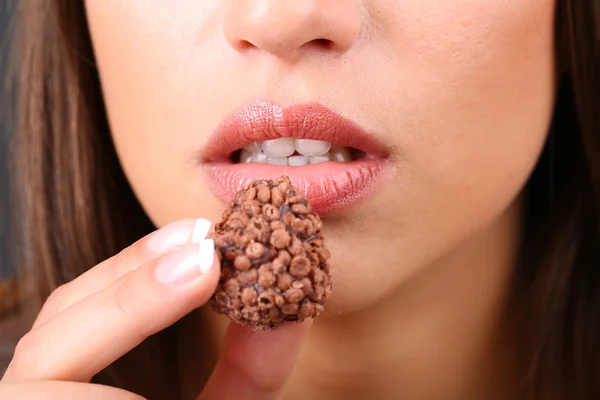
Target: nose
285,28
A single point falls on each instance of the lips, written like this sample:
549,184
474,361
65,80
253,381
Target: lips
330,186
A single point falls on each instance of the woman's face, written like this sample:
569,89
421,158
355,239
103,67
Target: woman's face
448,103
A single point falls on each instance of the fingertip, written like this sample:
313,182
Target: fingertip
168,238
207,255
210,274
201,229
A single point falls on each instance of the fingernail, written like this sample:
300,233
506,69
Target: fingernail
177,234
207,255
201,230
187,263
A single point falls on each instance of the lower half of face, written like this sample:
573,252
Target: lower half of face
421,120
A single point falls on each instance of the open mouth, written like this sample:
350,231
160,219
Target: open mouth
294,152
329,158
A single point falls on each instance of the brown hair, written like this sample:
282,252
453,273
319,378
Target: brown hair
79,208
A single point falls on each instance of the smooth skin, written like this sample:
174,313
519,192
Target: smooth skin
461,92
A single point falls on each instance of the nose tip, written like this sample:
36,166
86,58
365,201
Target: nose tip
286,27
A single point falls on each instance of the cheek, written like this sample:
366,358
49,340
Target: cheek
477,85
469,90
152,63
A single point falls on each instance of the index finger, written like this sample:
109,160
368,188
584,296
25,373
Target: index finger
255,365
156,244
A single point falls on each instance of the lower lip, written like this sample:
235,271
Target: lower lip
331,187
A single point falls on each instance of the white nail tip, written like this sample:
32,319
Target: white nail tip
201,229
206,255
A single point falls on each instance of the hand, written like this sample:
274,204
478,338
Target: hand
87,324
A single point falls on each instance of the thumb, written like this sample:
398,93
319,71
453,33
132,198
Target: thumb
255,365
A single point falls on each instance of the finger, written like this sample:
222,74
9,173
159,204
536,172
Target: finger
255,365
62,391
91,334
160,242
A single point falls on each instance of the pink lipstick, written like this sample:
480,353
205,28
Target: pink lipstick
248,145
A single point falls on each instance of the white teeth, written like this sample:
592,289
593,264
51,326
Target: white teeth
282,147
245,156
309,147
319,159
259,157
297,161
340,154
254,147
278,160
293,152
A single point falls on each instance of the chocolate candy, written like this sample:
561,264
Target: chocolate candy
274,264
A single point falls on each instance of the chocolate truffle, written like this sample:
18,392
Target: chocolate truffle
274,264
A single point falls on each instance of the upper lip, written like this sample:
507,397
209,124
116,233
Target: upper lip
260,120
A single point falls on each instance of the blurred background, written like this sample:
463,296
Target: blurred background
11,323
4,133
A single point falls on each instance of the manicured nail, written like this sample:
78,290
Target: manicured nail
201,230
187,263
177,234
207,255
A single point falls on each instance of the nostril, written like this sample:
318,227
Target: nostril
244,45
319,44
324,44
282,28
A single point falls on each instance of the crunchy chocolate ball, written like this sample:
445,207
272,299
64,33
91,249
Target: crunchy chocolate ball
274,265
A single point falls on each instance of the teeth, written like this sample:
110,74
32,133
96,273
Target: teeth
309,147
282,147
278,160
319,159
259,157
340,154
254,147
293,152
297,161
245,156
